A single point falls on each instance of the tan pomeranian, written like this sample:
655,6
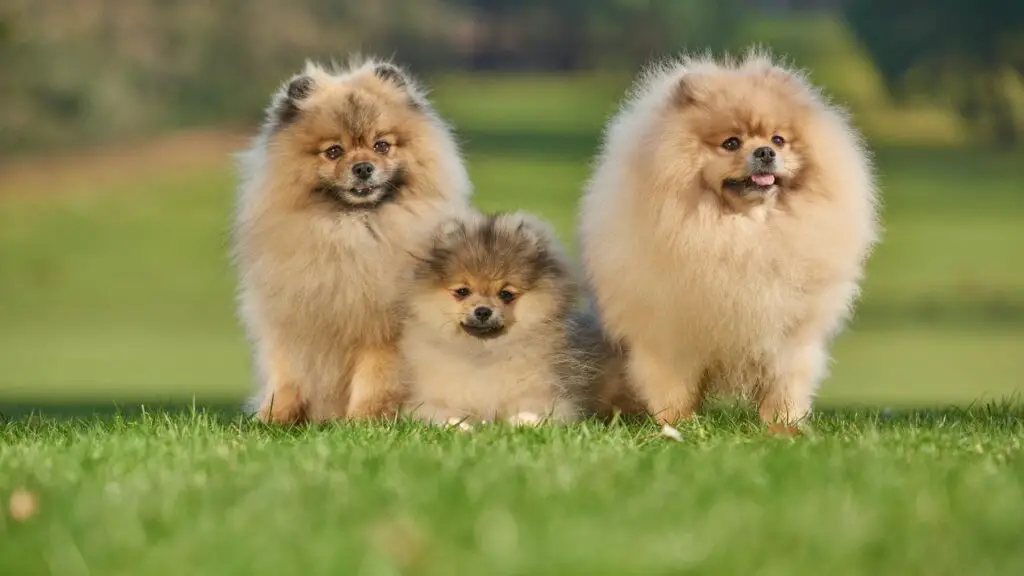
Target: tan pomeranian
725,231
486,331
349,176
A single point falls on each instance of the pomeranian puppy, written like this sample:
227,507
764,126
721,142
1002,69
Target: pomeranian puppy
486,333
725,231
352,171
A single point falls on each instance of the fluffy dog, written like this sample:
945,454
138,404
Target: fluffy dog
486,335
351,172
725,231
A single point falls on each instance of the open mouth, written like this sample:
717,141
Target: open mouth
364,191
483,331
756,182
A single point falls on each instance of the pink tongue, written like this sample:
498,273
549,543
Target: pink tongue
763,179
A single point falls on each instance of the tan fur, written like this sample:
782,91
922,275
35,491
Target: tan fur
714,289
520,361
320,273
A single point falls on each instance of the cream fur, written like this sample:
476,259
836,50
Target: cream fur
318,285
485,380
707,297
530,368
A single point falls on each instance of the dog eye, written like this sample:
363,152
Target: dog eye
461,293
333,152
506,296
778,140
731,143
381,147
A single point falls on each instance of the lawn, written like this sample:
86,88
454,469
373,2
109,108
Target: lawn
862,492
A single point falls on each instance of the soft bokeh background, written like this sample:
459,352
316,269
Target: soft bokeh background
118,120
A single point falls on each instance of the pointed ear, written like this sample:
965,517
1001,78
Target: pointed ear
685,93
539,231
286,108
391,73
449,231
401,79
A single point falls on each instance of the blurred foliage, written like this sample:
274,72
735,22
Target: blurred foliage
90,70
970,51
77,72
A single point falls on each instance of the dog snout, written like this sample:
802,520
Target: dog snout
482,313
363,170
765,154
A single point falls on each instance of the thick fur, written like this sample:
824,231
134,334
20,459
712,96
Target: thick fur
515,360
602,364
322,253
711,282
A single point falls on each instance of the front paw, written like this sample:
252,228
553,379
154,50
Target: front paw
525,419
283,406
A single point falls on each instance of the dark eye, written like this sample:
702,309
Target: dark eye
381,147
731,143
778,140
461,293
506,296
333,152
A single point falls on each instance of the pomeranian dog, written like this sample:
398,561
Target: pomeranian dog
725,231
352,171
486,330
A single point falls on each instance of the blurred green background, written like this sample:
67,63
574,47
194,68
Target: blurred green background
119,120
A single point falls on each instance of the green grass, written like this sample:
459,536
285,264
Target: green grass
863,492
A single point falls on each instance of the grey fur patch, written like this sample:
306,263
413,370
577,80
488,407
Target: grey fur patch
391,73
287,110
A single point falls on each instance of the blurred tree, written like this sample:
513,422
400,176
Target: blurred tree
574,34
963,48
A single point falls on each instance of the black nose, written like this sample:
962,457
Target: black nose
363,170
765,153
482,313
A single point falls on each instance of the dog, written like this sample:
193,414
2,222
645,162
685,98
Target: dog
724,233
486,336
351,172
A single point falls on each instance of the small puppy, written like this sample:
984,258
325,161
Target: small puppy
725,231
486,333
351,173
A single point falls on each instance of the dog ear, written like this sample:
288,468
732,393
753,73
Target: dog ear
390,73
685,93
538,231
286,106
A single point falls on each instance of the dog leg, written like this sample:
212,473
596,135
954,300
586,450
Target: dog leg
671,388
375,390
789,391
282,400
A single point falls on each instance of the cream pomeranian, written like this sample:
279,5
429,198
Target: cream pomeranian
724,232
351,173
486,330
